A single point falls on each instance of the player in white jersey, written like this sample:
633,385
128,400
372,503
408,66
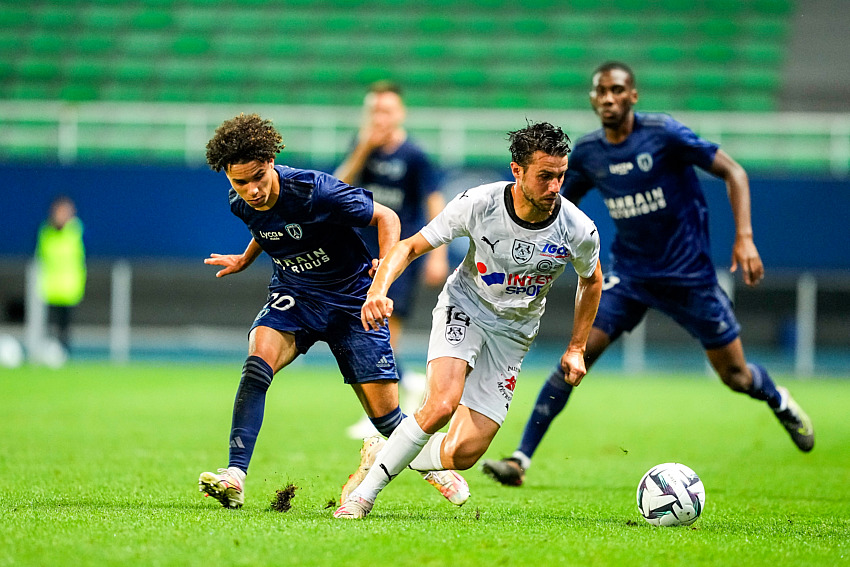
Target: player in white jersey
521,235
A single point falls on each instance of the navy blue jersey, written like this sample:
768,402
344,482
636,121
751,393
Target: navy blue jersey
310,237
401,180
653,196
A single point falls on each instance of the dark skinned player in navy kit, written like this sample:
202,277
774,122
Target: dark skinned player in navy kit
305,221
643,166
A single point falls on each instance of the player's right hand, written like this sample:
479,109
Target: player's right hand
376,310
232,263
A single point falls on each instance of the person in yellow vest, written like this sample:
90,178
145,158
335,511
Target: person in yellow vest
61,257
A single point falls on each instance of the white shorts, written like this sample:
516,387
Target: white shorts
495,359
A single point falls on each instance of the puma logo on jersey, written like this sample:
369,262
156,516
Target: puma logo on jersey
492,245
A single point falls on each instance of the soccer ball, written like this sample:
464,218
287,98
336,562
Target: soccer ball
670,494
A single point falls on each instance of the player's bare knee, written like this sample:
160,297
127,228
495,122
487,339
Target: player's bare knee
434,415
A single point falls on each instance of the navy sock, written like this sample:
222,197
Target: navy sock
551,400
386,424
763,387
248,410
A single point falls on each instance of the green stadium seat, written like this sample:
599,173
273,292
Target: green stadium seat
92,43
703,102
13,17
31,90
752,102
78,92
467,77
54,18
715,53
100,19
239,49
765,28
152,20
10,44
136,70
719,30
776,7
569,78
46,44
665,53
758,79
38,69
6,70
125,91
570,53
145,44
659,101
86,69
190,45
707,79
762,54
659,78
198,21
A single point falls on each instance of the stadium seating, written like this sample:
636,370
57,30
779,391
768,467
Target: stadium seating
697,55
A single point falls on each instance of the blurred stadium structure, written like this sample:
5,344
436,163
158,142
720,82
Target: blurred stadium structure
113,101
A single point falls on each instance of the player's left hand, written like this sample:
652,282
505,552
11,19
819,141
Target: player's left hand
376,263
745,254
572,362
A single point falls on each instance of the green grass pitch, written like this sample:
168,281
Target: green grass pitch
100,466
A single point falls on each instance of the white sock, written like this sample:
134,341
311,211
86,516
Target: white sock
405,443
523,459
428,458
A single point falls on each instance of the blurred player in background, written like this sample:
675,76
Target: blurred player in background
643,166
305,221
61,257
388,163
522,236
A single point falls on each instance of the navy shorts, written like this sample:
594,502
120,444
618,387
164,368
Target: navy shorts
362,356
704,311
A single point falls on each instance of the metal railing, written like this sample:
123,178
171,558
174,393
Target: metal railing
71,132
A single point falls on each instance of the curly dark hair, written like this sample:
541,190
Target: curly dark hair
541,136
243,139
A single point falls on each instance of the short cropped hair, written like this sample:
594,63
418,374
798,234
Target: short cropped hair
612,65
541,136
243,139
379,87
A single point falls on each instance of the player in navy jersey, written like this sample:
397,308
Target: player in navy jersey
388,163
305,221
643,165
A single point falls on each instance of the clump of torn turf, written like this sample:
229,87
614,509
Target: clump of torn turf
282,500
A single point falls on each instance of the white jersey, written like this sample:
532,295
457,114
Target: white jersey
511,263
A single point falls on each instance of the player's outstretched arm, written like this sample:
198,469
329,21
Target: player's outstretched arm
234,263
378,307
744,251
587,302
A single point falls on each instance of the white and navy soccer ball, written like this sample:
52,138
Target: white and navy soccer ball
670,494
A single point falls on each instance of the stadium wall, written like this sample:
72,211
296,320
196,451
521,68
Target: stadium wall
166,220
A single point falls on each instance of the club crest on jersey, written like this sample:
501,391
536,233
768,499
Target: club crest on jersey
455,334
522,251
644,161
294,230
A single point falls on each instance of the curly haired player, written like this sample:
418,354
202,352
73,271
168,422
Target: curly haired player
305,221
